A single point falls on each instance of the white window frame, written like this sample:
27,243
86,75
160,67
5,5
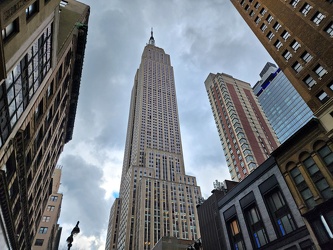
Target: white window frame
306,9
287,55
269,18
277,26
309,81
270,35
295,45
285,35
307,57
318,17
294,3
297,66
329,29
278,44
320,71
263,27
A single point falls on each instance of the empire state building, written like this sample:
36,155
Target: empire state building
156,197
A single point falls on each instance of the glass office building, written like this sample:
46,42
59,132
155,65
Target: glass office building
284,107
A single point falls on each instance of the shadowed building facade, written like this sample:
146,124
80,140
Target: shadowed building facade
298,36
49,232
157,198
41,57
245,133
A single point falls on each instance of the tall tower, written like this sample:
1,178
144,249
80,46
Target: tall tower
284,107
157,198
246,136
298,35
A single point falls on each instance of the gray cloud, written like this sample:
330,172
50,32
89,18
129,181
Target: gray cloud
201,37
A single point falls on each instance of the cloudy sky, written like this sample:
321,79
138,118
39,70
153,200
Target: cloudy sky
201,37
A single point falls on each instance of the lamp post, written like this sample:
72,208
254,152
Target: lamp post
75,231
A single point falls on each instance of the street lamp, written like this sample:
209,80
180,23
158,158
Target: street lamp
74,232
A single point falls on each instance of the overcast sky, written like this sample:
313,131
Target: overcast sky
200,37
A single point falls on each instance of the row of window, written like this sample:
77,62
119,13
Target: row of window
308,172
306,57
279,212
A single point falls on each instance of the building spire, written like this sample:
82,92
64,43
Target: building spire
151,39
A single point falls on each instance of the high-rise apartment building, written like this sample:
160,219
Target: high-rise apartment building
284,108
246,136
41,56
157,198
298,35
48,234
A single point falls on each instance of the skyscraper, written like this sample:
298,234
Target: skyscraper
41,57
156,198
246,136
283,106
298,35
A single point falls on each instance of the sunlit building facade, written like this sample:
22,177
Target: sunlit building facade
41,59
157,198
283,106
246,136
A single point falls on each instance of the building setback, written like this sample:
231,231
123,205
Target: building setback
284,108
156,197
41,58
246,136
298,36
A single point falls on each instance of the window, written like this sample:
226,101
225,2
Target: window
53,198
320,71
235,234
50,208
256,226
277,26
322,96
251,13
280,212
295,45
263,27
329,29
287,54
305,9
242,2
257,5
278,44
318,178
42,230
269,18
10,30
306,56
247,7
263,11
317,18
308,80
327,155
285,35
31,10
302,187
270,35
46,218
257,20
330,85
294,3
39,242
297,67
